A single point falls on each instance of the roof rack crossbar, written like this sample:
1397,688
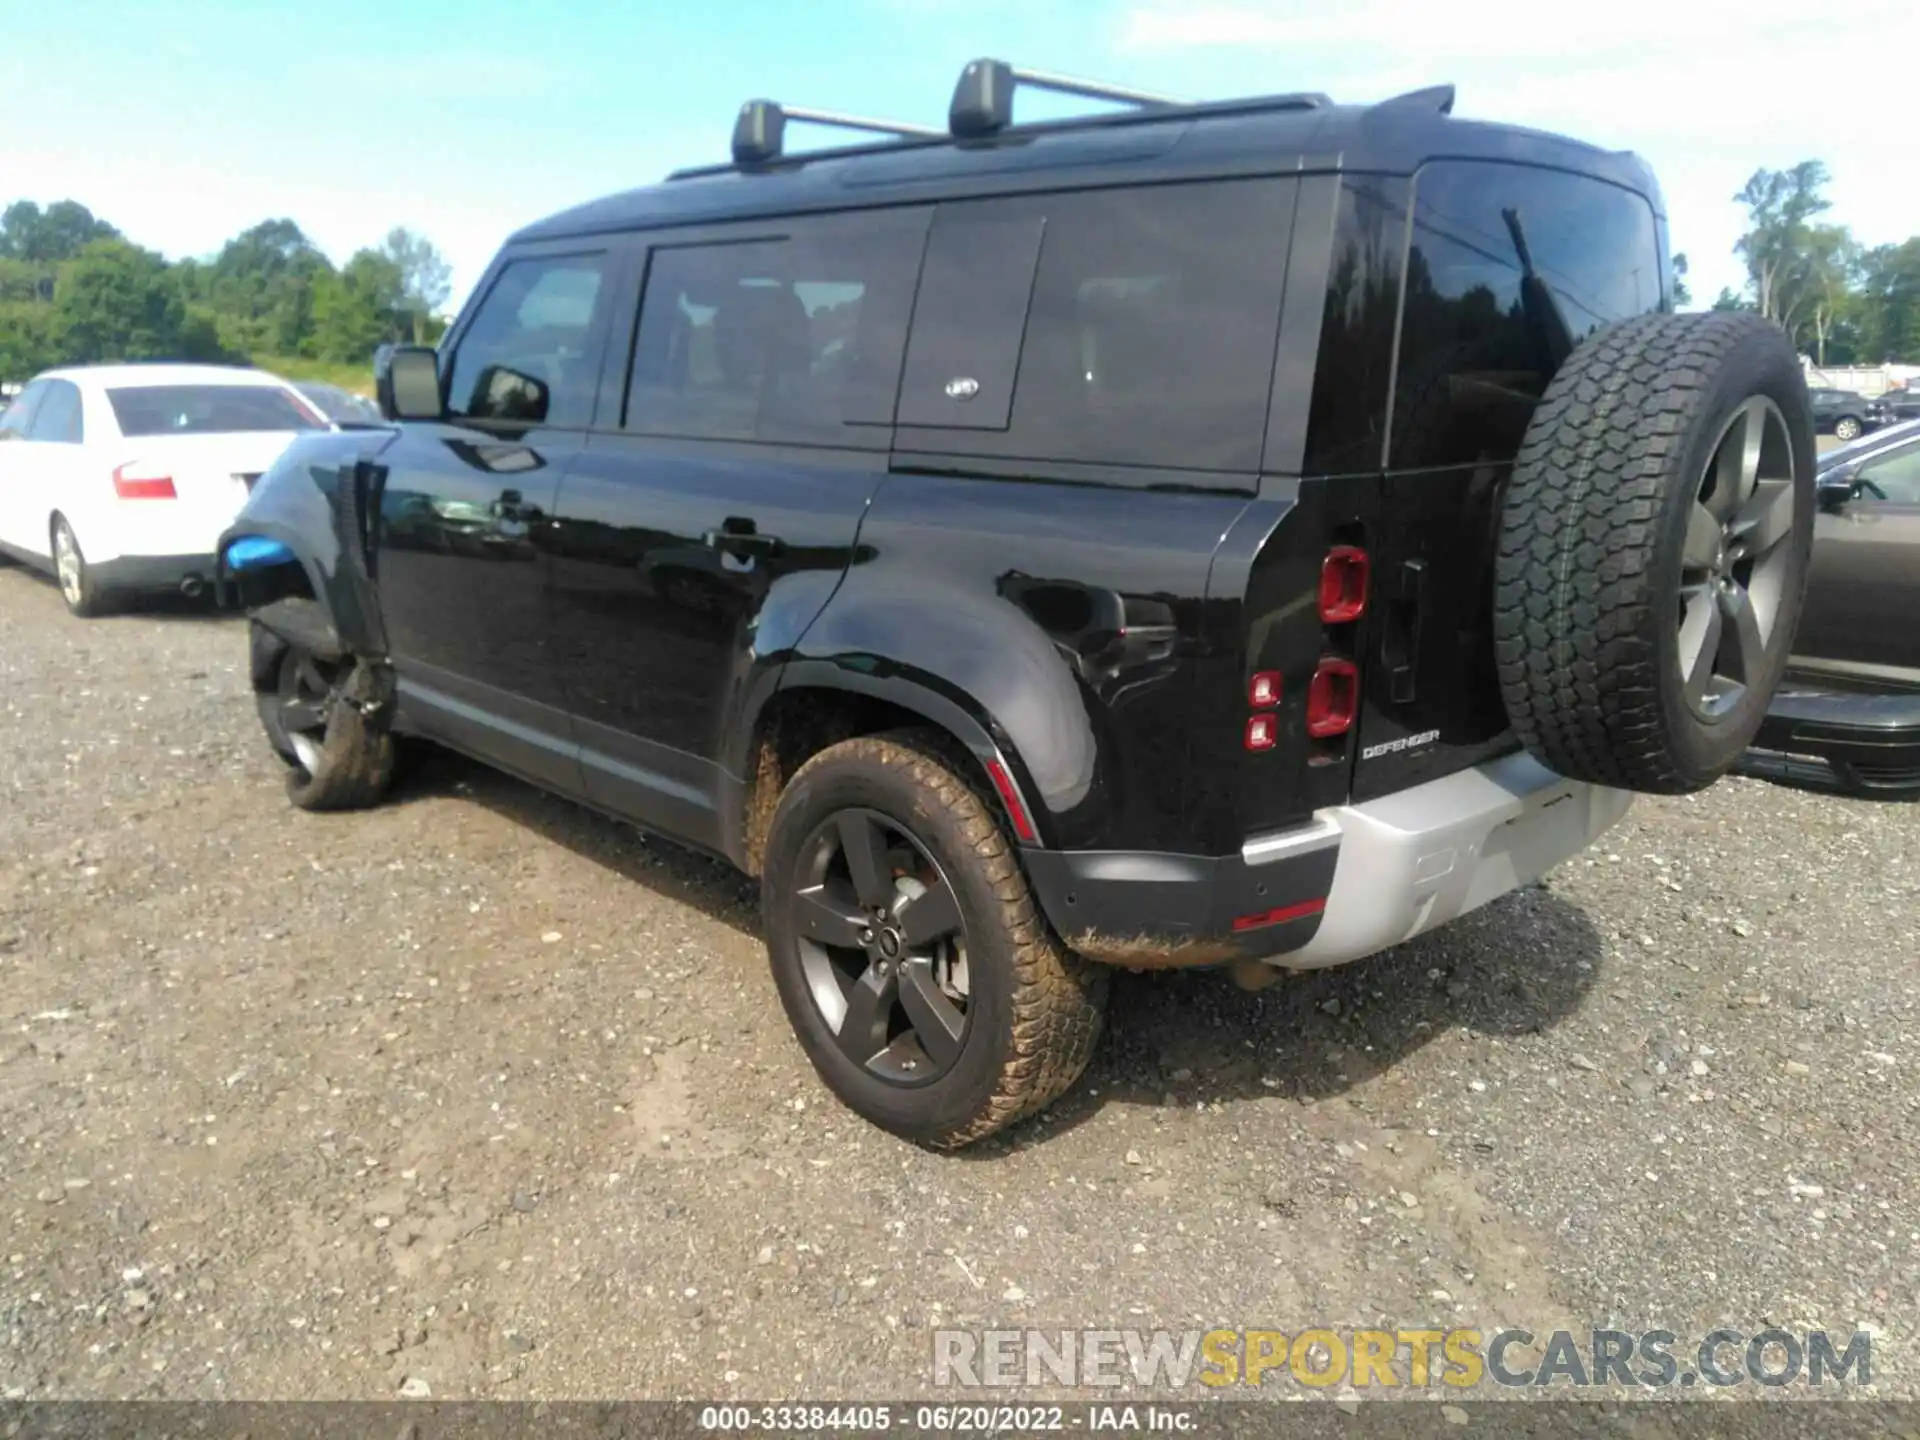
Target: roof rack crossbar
983,98
759,132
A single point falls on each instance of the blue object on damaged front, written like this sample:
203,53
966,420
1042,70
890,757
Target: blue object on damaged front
256,552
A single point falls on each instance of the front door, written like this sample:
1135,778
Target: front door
467,510
703,528
20,464
1861,596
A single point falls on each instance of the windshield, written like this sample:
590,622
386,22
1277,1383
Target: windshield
207,410
342,407
1867,444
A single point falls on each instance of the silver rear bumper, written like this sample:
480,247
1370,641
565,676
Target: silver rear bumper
1424,856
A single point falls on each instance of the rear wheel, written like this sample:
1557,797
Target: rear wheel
85,596
1846,428
921,981
1654,551
337,756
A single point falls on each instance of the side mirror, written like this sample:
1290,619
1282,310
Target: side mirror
407,381
1836,490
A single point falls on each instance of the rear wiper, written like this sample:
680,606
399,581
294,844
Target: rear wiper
1545,319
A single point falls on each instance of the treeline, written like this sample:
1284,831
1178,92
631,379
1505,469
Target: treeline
74,290
1843,303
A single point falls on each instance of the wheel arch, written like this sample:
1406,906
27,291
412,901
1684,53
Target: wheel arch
812,704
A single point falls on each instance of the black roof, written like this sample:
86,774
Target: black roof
1260,136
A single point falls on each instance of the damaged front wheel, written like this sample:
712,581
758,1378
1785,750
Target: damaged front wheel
339,753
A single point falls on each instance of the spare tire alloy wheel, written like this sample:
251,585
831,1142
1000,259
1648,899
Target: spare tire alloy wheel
1736,566
1654,548
884,947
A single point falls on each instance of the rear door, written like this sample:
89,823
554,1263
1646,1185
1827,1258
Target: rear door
1506,263
1864,590
748,409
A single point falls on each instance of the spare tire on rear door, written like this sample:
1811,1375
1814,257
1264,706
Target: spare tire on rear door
1654,549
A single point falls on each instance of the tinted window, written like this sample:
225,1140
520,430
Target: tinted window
1894,477
207,410
58,418
793,338
1149,338
18,416
530,356
1347,419
1507,263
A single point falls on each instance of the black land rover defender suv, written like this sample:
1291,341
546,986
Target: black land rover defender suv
1238,534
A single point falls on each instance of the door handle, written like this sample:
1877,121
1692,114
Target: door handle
739,537
1400,644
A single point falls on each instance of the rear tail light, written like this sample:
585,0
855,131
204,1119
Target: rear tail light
139,482
1263,691
1343,584
1333,698
1263,732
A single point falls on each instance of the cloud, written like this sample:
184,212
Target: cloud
1707,91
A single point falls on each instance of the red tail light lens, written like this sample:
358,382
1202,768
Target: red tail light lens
136,482
1333,699
1263,691
1263,732
1343,584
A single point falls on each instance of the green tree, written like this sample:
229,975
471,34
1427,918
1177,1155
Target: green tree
1682,296
23,339
359,309
1727,300
1830,265
1781,206
49,236
425,278
260,287
1889,302
115,301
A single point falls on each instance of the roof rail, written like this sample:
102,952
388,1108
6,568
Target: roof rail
759,134
983,98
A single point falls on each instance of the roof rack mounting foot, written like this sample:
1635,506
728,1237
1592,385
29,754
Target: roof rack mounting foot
760,131
983,98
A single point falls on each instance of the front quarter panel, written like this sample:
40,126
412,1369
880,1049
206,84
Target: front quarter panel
312,500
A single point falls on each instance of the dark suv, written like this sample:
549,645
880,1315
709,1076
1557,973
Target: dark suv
1240,534
1840,413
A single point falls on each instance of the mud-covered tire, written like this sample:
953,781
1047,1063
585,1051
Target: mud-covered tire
349,765
1601,563
1034,1007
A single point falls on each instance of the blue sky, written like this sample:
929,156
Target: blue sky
183,121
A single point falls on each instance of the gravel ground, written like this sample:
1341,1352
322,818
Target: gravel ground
483,1095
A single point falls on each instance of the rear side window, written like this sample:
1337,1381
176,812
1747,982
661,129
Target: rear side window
1503,259
793,338
207,410
58,420
1149,339
531,355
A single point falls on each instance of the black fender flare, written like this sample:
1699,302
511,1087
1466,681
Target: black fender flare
321,500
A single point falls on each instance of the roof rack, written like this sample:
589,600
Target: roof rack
759,134
983,98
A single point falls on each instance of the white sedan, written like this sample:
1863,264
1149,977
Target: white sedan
120,478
